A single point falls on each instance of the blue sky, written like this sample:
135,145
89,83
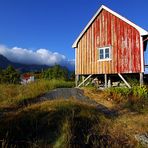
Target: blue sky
53,25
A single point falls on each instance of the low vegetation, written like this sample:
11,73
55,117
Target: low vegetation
9,76
135,99
71,123
11,94
132,108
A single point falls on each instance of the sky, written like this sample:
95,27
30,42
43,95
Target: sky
43,31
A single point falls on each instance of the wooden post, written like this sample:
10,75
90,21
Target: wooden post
109,83
105,79
76,80
83,78
141,79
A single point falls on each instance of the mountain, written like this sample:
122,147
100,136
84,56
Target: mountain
4,63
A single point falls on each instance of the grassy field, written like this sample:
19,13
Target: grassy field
71,123
11,95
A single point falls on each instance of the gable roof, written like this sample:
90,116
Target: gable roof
141,30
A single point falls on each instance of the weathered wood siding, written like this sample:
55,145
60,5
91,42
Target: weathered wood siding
109,30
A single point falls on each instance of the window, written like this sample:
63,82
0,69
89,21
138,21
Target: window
105,53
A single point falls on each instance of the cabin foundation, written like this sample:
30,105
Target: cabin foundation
109,80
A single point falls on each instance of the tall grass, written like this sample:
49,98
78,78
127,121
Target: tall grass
11,94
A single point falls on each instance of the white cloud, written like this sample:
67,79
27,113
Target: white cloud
26,56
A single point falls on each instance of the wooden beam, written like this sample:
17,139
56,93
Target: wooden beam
84,81
127,84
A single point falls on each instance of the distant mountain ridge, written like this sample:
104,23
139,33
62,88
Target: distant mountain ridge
4,63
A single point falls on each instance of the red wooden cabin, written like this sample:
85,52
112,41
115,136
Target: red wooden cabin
110,44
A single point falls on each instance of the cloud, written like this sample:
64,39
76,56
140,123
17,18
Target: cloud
27,56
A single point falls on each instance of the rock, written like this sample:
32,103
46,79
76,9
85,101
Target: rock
142,138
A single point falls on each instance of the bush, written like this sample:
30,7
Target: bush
136,98
118,94
139,91
9,76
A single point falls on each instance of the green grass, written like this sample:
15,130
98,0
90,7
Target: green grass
11,95
135,99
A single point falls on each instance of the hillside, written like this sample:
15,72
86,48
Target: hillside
4,63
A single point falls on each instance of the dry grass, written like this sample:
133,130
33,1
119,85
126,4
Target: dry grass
127,123
65,122
51,124
11,95
99,96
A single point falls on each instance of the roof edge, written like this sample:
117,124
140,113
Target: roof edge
141,30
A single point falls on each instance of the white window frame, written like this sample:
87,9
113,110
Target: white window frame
103,48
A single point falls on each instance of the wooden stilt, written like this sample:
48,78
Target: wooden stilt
105,79
83,78
76,80
109,83
141,79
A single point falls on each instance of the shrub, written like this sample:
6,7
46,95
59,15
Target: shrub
138,100
135,99
140,91
118,94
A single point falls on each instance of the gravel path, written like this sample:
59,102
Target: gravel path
62,93
66,93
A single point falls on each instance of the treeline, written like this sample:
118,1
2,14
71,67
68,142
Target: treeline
12,76
9,75
58,72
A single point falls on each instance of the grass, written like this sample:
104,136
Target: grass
12,95
132,119
71,123
54,123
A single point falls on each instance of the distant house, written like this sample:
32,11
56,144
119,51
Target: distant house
110,45
27,78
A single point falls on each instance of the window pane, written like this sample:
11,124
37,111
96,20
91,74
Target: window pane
106,56
101,51
106,52
101,54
